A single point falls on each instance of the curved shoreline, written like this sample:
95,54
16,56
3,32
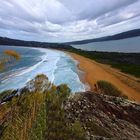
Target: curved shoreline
95,71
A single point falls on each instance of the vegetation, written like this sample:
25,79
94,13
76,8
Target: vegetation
97,130
5,93
8,58
126,62
12,53
109,89
38,115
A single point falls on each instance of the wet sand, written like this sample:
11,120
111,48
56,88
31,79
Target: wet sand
95,71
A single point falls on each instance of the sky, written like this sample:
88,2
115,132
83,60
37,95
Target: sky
67,20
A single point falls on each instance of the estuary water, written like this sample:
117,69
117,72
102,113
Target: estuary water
123,45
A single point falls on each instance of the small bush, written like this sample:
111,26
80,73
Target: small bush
63,91
109,89
13,54
5,93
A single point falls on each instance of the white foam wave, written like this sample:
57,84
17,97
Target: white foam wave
55,64
30,68
43,58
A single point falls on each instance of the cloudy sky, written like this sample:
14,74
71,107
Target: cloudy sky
67,20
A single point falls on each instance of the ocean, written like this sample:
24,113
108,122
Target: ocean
58,66
123,45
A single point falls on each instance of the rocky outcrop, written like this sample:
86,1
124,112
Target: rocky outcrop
104,117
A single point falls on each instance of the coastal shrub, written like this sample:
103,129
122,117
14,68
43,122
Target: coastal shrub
109,89
64,91
76,131
8,58
39,115
57,125
5,93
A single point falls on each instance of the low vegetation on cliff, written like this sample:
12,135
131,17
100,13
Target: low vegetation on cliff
43,111
36,112
109,89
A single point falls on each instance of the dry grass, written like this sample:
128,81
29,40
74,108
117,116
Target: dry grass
13,54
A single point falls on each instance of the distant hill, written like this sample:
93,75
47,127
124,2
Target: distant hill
128,34
15,42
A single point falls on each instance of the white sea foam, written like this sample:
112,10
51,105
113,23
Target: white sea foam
58,66
31,68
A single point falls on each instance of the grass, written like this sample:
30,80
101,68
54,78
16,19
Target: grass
109,89
5,93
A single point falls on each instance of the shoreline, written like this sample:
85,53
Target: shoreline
94,71
44,61
81,74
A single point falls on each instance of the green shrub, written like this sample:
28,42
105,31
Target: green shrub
39,115
63,91
109,89
5,93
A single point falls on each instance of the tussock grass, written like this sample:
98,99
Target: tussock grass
109,89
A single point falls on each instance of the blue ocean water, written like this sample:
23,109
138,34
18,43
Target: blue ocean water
58,66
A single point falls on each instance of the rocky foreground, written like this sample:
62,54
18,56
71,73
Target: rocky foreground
44,108
104,117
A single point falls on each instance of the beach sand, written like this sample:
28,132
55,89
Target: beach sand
95,71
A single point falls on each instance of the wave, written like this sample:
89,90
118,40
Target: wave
67,73
31,68
58,66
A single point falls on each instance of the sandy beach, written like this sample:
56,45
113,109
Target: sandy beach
95,71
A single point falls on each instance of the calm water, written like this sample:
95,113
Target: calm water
58,66
124,45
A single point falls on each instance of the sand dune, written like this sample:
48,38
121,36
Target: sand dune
95,71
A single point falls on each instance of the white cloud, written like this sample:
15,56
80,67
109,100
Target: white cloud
66,20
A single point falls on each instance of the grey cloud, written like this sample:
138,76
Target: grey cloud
67,20
89,9
119,15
